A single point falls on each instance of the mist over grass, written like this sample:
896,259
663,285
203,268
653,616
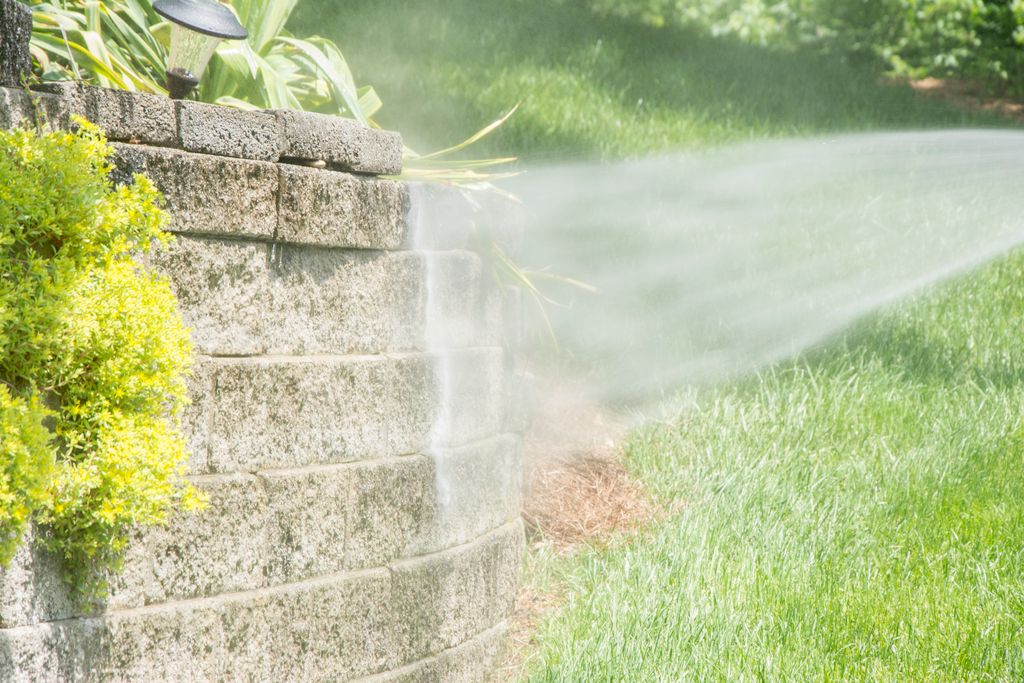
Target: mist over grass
855,513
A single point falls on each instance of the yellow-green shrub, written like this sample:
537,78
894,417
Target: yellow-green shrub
92,334
25,468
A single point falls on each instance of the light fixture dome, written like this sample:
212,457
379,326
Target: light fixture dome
209,17
197,26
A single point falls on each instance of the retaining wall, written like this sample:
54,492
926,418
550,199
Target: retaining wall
363,484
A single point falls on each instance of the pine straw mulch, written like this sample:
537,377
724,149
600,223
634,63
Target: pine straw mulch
585,501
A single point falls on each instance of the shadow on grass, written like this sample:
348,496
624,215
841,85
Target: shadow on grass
922,358
597,86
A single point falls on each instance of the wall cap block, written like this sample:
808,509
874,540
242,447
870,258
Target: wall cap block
340,143
123,116
228,132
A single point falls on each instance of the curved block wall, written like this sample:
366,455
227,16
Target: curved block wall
363,520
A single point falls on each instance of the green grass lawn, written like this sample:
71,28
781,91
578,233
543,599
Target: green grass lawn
857,514
854,515
591,86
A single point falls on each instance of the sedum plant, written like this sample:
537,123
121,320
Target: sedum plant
93,354
26,466
123,44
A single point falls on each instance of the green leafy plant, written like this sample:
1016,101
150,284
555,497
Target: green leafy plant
979,39
25,469
123,44
96,338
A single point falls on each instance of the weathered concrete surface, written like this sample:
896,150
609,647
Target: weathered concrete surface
195,418
228,132
123,116
216,196
16,109
207,194
15,33
363,493
245,298
31,588
21,108
476,488
332,628
344,144
341,210
449,597
269,413
286,526
469,662
282,413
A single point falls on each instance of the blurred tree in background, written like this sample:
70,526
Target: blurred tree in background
972,39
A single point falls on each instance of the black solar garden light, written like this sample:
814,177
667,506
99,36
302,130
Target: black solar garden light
197,27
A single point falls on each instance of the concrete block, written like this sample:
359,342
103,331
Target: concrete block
391,508
288,526
123,116
306,522
447,598
332,628
263,530
475,489
207,195
245,298
54,653
470,662
222,549
195,418
32,589
291,413
15,33
334,301
223,291
21,108
16,108
342,143
333,209
280,413
228,132
258,531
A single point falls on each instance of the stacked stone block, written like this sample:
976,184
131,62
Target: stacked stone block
363,483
